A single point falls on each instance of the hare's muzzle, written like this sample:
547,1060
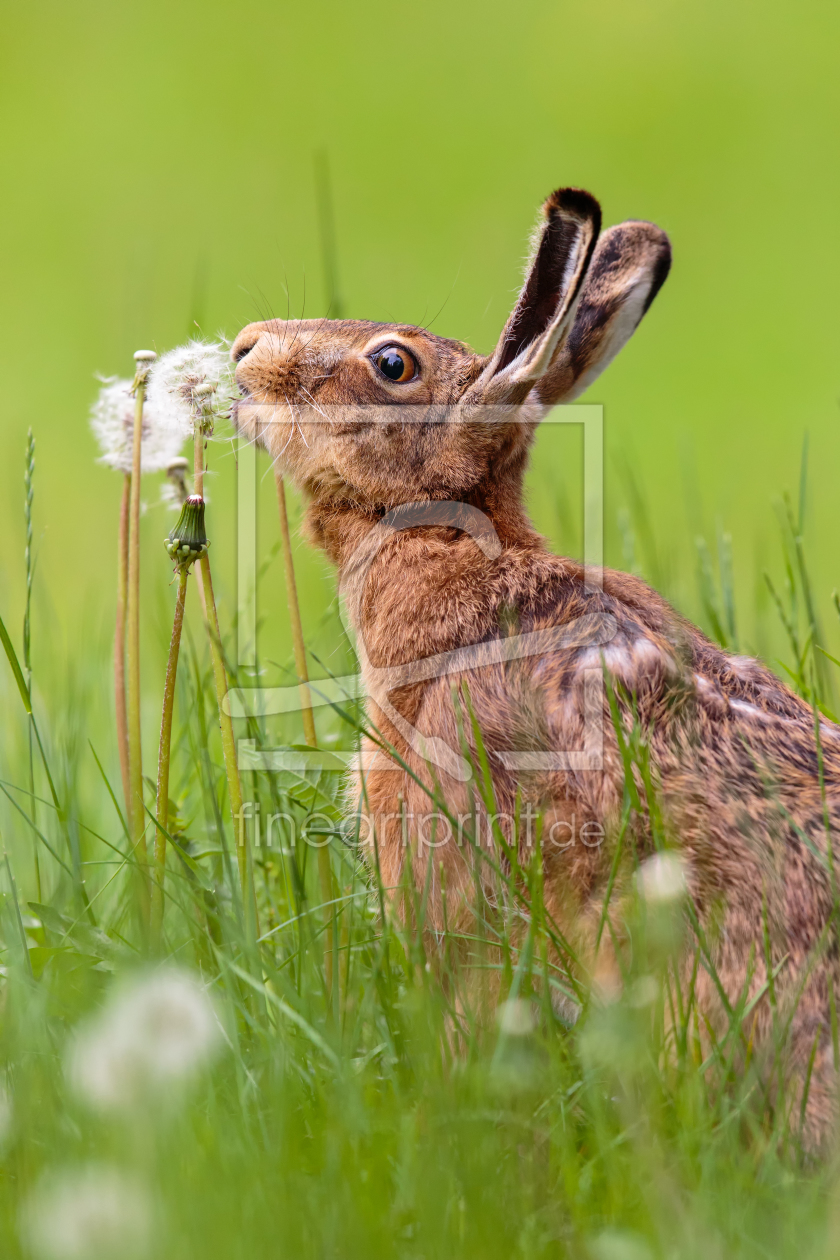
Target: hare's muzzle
268,361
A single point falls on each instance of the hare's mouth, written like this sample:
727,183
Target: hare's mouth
241,409
244,395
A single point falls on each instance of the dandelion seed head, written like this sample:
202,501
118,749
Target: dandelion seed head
193,379
170,496
154,1034
112,421
174,490
94,1212
661,878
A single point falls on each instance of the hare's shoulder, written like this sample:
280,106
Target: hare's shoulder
628,628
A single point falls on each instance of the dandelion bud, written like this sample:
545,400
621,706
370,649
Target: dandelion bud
145,356
187,542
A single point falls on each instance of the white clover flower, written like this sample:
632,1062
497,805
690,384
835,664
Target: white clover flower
190,380
112,421
662,878
90,1213
155,1034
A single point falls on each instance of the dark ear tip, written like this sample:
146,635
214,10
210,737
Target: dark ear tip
574,201
641,235
653,234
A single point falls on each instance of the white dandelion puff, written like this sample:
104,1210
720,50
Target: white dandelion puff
112,421
644,992
94,1212
155,1034
191,381
515,1017
662,878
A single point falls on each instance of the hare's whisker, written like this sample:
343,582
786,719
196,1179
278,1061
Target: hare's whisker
312,402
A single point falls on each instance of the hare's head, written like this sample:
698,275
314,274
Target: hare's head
383,414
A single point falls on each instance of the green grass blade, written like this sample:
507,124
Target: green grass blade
16,669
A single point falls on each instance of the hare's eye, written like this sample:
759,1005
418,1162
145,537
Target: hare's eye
396,363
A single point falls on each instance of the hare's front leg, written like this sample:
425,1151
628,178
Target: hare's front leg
410,841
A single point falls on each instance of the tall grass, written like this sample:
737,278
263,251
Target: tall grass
382,1090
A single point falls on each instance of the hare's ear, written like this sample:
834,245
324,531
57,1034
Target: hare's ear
532,336
630,266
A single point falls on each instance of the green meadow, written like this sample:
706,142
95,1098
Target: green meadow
163,177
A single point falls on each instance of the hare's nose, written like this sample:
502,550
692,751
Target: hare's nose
243,345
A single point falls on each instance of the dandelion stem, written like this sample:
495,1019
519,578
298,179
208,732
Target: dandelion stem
119,645
198,461
211,621
186,542
229,745
135,764
309,734
164,753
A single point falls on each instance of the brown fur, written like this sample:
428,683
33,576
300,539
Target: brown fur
733,751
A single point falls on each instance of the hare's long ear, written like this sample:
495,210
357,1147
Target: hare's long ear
542,317
630,266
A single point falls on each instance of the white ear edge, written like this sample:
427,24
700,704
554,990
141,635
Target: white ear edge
621,329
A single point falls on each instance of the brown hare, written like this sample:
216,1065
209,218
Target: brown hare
410,449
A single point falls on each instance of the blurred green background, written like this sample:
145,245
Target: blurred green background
157,166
